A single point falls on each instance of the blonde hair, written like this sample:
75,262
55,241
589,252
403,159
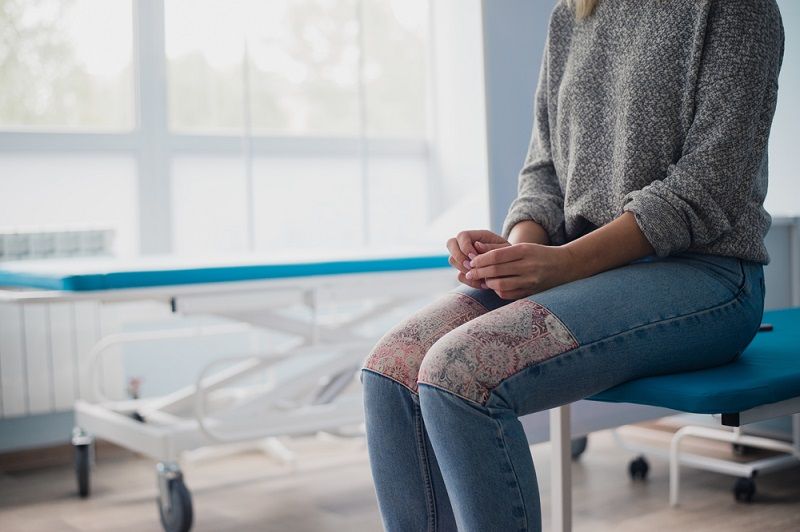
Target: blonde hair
583,8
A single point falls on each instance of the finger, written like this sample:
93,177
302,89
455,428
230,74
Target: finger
455,251
514,294
495,270
498,256
483,247
511,295
473,284
465,243
503,284
463,267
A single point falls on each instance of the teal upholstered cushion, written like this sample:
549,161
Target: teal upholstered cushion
767,372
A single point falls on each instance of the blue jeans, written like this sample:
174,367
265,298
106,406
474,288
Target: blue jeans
443,389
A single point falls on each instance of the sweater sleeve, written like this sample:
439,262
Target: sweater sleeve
539,196
724,150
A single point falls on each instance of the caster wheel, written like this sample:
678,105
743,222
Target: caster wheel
82,469
177,516
744,489
579,446
638,468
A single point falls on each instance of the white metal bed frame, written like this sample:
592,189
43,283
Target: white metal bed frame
310,401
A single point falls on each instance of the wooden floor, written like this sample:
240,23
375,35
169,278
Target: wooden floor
329,488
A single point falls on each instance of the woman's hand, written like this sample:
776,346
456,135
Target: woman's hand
520,270
462,249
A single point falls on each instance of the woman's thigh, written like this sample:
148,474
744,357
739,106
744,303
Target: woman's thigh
653,316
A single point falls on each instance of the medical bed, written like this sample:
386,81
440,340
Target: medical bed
763,383
304,385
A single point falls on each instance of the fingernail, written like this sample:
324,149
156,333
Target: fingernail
466,264
472,264
469,275
472,255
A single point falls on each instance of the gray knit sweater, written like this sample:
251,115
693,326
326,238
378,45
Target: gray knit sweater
662,108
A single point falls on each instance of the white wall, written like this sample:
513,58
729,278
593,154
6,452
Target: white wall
783,195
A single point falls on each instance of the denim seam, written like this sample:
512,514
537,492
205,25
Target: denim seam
364,368
513,471
473,401
424,466
502,435
736,299
430,499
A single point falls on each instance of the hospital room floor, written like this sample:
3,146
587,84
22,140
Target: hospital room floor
329,488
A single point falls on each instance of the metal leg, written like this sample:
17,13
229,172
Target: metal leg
83,443
674,468
561,464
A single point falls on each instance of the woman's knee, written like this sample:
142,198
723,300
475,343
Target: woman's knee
453,364
399,353
473,359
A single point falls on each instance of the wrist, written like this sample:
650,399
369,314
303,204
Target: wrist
575,265
529,232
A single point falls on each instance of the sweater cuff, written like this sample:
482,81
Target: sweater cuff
550,217
662,225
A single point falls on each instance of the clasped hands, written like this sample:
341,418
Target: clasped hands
486,260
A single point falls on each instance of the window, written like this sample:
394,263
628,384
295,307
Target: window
226,126
298,67
60,69
54,189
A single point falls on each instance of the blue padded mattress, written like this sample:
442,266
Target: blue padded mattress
110,274
767,372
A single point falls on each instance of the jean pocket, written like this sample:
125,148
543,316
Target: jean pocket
729,271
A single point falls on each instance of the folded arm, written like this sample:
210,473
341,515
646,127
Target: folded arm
724,152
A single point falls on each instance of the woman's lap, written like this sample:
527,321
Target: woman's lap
652,316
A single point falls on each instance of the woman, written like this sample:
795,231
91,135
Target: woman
635,247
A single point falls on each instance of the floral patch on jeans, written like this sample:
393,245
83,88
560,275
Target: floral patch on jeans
399,353
473,359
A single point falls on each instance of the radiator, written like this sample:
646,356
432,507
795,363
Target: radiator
44,351
23,243
43,346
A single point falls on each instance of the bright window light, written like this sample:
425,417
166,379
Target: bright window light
61,69
292,67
